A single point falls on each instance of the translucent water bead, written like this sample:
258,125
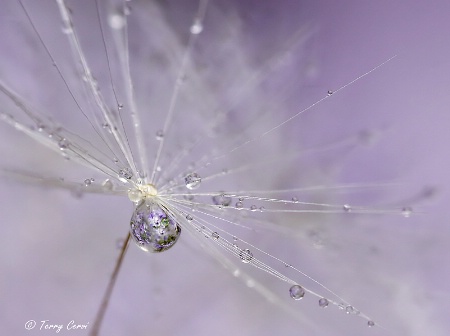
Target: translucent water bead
192,181
296,292
152,228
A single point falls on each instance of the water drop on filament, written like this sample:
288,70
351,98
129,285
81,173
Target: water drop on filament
153,229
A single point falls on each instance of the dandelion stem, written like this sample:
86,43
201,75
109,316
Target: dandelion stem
112,280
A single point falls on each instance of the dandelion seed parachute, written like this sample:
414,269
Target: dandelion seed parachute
67,222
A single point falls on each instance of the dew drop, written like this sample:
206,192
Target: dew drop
370,323
349,309
41,127
253,208
63,144
152,228
120,106
125,174
215,235
323,303
189,217
294,199
135,195
246,256
188,197
406,212
239,205
347,208
107,185
196,27
159,135
119,243
329,93
222,200
116,21
296,292
87,182
192,181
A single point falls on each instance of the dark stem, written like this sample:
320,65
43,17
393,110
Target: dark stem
112,280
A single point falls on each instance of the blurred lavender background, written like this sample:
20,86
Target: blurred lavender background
57,251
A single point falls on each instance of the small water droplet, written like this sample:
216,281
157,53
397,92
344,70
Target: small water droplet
87,182
261,208
107,185
66,30
119,243
125,174
296,292
347,208
323,303
120,106
222,200
40,127
196,27
235,239
329,93
116,21
406,212
370,323
349,309
253,208
215,235
246,256
189,217
239,205
192,181
63,144
159,135
188,197
127,9
294,199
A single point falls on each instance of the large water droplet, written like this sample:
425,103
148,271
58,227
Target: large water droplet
192,181
296,292
152,228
